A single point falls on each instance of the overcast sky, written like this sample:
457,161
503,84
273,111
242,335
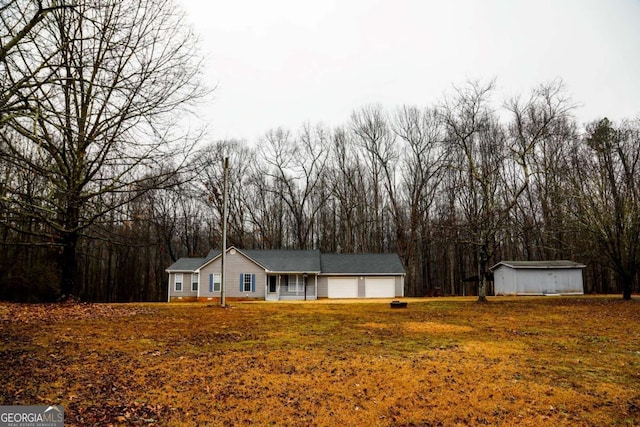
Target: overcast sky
287,62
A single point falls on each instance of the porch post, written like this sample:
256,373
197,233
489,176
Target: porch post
304,283
169,289
316,286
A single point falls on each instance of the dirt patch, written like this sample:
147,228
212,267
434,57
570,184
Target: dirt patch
48,313
373,325
435,328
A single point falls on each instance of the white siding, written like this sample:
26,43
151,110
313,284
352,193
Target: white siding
532,282
566,281
537,281
504,281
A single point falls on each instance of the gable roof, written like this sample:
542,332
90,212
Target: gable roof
361,264
185,265
191,264
539,264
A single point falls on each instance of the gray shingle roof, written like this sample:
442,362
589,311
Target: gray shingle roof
539,264
192,264
361,264
296,261
286,261
186,264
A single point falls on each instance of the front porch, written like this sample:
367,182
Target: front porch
291,287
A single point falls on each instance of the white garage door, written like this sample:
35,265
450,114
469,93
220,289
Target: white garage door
343,287
380,287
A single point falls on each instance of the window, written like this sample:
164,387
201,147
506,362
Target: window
178,282
296,284
194,282
247,283
214,282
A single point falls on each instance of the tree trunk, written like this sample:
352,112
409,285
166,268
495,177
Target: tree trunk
67,265
627,286
452,266
482,277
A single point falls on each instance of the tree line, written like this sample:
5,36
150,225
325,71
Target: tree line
104,184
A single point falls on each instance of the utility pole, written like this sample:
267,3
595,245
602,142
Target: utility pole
224,228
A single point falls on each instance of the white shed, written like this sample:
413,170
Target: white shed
538,278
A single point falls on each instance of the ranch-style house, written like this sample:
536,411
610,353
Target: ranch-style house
286,275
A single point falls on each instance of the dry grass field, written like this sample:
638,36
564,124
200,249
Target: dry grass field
439,362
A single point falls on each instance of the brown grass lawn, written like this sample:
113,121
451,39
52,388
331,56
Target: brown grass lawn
441,361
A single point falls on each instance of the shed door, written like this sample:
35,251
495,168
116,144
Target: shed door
380,287
343,287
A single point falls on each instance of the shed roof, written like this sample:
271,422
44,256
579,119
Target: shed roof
539,264
361,264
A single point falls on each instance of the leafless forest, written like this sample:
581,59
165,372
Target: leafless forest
104,184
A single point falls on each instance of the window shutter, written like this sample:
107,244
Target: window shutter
211,282
253,283
241,282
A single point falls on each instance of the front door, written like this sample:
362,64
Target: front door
273,284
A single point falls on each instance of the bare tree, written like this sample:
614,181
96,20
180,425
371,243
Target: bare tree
349,195
422,165
541,228
296,167
210,181
606,181
266,216
477,147
496,161
374,136
19,20
106,120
